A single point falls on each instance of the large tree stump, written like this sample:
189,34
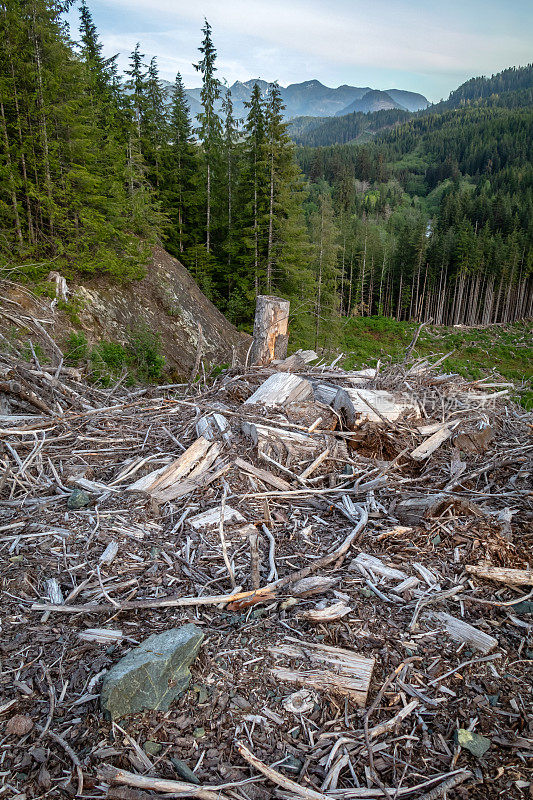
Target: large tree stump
270,329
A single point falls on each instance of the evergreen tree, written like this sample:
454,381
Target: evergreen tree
254,187
180,168
154,123
230,161
324,237
209,130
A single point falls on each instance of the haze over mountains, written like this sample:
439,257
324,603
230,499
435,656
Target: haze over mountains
312,98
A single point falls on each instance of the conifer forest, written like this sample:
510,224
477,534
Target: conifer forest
415,216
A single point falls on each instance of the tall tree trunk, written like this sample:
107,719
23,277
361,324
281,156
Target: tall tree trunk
270,223
43,122
319,286
11,178
208,210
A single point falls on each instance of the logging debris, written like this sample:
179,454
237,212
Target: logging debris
355,547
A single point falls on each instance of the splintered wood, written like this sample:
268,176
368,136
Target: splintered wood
183,476
331,669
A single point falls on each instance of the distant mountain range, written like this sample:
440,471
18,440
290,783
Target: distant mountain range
372,115
312,98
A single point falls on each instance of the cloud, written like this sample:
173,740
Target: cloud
422,44
388,35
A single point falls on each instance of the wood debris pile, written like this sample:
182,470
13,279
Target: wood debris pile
355,545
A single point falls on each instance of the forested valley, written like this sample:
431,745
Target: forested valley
416,216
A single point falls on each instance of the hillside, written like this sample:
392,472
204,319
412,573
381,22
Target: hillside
320,132
512,88
164,311
374,100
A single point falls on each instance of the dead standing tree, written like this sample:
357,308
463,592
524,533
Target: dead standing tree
270,330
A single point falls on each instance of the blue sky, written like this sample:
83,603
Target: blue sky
429,47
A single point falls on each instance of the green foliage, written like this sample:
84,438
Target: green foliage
139,360
68,200
77,350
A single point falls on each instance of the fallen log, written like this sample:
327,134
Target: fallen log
512,577
279,389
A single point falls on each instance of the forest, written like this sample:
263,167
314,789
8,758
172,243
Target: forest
426,215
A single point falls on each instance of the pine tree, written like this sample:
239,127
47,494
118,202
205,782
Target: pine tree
62,149
286,230
324,237
154,123
136,85
255,185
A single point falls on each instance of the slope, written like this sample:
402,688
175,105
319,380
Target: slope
166,302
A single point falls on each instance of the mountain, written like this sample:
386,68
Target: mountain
374,100
412,101
312,98
357,126
510,89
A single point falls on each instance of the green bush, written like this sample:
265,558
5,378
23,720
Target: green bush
143,354
139,359
76,349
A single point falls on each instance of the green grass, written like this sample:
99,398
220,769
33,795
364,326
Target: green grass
474,352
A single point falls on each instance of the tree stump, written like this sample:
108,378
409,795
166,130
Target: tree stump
270,329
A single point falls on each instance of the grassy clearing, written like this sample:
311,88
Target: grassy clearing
474,352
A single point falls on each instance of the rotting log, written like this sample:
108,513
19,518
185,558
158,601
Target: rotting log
270,337
334,669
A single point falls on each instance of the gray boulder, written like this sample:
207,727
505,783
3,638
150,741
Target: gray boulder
152,675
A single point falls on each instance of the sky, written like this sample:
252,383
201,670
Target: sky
429,47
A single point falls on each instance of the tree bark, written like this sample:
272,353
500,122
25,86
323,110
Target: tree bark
270,329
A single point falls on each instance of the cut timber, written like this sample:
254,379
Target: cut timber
279,389
175,471
332,669
311,415
279,442
211,518
414,509
262,474
512,577
296,361
367,402
463,632
213,426
270,336
189,472
364,405
428,447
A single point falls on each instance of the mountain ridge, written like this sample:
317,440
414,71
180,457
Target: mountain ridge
313,98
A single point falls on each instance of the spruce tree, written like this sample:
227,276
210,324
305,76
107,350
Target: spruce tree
180,166
230,163
255,184
210,129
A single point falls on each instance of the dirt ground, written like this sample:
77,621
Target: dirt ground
53,735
